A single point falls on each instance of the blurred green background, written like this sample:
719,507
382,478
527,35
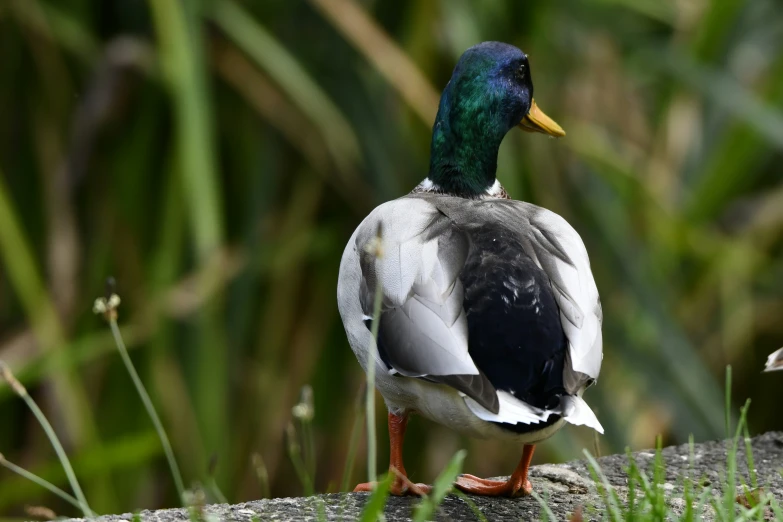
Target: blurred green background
215,156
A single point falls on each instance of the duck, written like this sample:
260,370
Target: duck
774,361
490,319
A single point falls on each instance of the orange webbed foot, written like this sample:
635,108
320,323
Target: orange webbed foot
494,488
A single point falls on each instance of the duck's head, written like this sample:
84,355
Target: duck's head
490,93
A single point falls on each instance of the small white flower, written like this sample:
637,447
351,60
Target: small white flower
100,306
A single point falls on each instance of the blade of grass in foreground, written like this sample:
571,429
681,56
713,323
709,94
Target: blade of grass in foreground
121,455
32,477
20,390
472,505
608,493
373,510
445,481
728,401
546,511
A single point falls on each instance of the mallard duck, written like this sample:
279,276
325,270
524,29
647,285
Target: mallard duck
490,321
774,361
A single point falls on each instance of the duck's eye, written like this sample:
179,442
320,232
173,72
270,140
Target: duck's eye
521,71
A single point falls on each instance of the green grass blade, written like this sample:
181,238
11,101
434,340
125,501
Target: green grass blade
728,401
440,488
749,457
472,505
5,371
373,510
41,482
547,513
608,494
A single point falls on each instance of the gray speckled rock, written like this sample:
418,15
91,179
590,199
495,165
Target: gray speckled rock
565,486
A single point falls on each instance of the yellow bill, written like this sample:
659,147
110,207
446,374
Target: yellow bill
537,121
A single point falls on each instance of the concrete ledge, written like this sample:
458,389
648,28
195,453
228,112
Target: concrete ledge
566,486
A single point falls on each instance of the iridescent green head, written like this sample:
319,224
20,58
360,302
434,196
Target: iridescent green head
490,92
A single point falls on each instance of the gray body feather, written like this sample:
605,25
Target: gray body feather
425,246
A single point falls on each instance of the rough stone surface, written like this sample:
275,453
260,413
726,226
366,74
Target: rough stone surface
566,487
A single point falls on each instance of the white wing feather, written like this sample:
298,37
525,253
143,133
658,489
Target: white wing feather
426,294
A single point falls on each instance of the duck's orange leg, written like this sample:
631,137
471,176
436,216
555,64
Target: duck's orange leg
516,486
401,484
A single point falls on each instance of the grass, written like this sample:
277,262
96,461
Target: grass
73,501
21,391
646,497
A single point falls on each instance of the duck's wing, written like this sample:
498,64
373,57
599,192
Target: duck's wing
423,329
556,248
775,361
554,245
560,252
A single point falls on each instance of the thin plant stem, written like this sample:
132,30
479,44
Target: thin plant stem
21,391
295,454
372,449
309,447
262,474
375,248
749,457
728,401
356,431
145,398
216,492
32,477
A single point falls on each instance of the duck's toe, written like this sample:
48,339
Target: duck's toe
493,488
364,487
416,489
400,487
